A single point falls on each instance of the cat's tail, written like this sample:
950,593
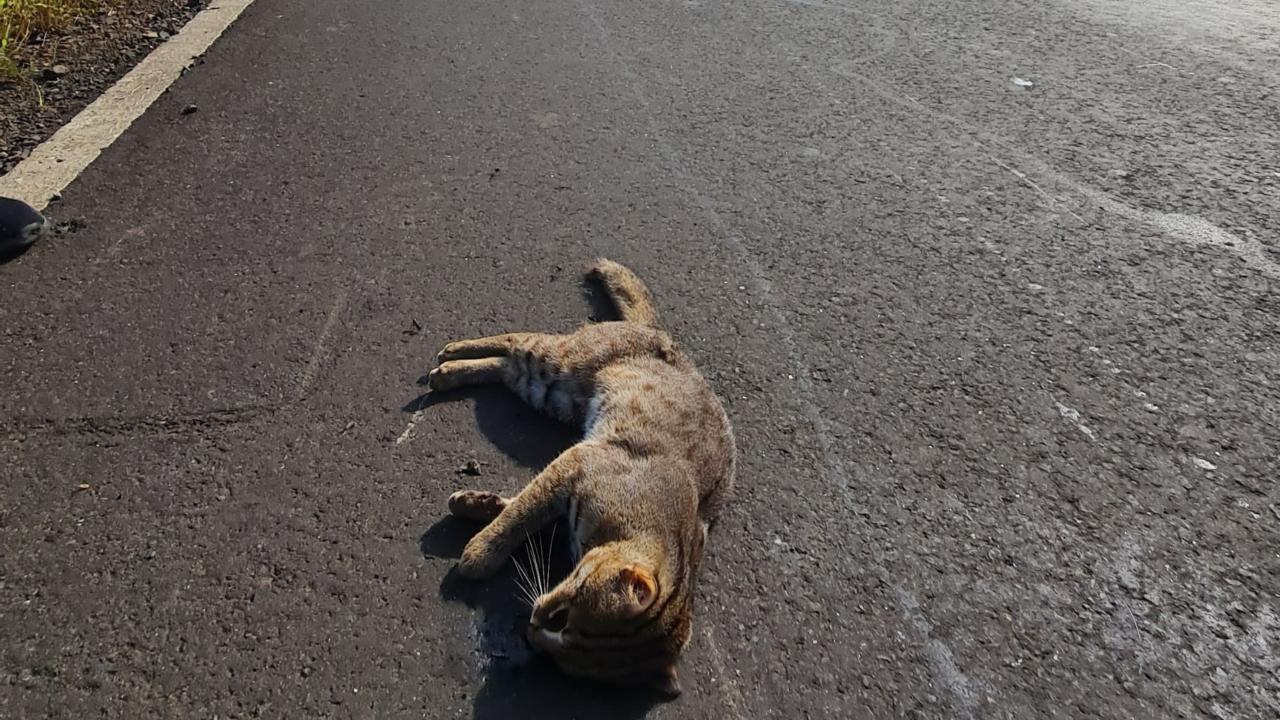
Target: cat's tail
628,293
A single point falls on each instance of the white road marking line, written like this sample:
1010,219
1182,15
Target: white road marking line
54,164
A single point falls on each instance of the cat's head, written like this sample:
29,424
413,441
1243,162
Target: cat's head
612,621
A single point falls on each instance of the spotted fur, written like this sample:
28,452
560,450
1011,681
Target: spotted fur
639,491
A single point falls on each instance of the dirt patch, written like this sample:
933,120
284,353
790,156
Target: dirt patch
64,72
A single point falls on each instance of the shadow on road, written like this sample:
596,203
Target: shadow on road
602,308
529,438
519,683
525,435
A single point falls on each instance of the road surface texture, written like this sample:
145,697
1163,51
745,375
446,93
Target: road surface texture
990,290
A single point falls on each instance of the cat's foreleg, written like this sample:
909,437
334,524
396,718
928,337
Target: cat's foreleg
537,505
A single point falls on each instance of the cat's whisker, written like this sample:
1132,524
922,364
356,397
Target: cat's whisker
536,557
546,575
525,581
534,570
524,593
542,568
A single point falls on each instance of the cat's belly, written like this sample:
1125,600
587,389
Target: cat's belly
591,419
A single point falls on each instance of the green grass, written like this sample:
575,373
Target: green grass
19,19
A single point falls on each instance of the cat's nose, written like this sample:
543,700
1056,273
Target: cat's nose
557,620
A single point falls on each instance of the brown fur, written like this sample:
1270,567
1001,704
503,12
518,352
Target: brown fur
641,489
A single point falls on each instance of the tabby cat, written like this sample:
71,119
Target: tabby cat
640,490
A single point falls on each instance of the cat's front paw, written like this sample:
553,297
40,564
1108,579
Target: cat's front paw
451,351
479,505
478,560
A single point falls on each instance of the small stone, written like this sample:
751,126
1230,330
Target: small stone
164,34
53,73
471,468
189,109
150,34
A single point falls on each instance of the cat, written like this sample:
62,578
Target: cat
640,491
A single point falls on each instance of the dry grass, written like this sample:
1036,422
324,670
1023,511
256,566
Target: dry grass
20,19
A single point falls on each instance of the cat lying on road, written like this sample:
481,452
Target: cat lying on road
640,491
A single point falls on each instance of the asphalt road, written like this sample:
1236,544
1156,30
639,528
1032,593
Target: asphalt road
1003,359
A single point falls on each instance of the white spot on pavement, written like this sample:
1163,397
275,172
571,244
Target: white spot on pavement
1203,464
1074,416
409,428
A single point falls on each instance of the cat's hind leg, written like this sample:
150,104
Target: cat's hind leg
492,346
457,373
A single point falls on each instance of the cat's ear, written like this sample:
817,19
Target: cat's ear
638,586
667,682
